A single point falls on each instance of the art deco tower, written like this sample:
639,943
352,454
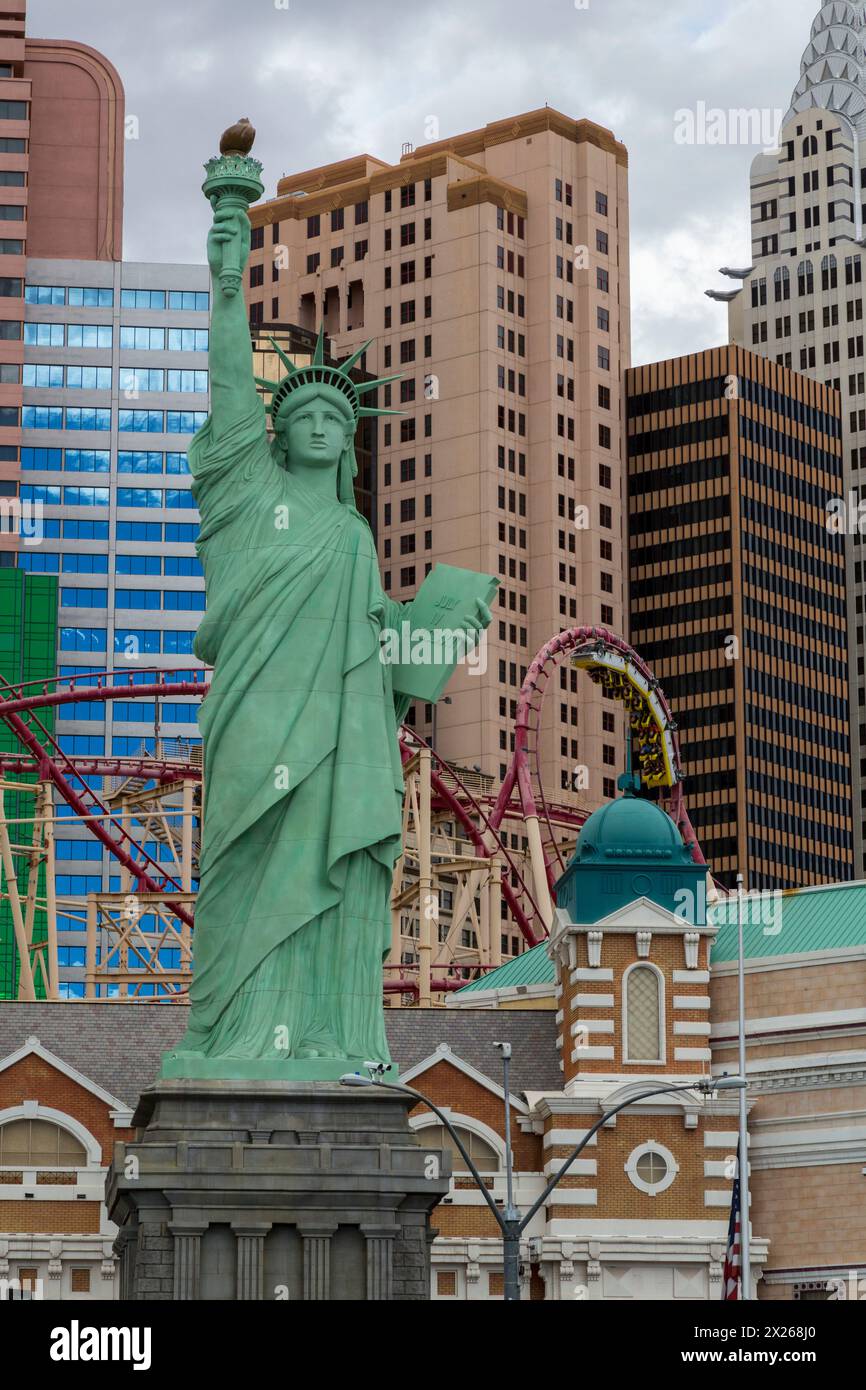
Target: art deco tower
801,300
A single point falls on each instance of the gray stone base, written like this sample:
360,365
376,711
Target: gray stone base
264,1190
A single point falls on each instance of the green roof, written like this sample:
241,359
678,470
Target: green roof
800,920
534,967
630,827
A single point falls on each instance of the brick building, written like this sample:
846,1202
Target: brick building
635,988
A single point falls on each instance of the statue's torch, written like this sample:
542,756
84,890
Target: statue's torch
233,181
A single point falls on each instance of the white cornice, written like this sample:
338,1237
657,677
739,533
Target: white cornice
795,1078
490,998
758,965
645,914
814,1149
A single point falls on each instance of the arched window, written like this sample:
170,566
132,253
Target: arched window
829,273
759,293
39,1144
810,145
644,1032
782,283
805,278
483,1155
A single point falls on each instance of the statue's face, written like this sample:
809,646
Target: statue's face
316,433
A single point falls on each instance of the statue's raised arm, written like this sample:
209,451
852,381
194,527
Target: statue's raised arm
232,183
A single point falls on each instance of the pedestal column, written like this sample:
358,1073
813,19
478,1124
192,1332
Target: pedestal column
250,1261
380,1260
317,1262
187,1261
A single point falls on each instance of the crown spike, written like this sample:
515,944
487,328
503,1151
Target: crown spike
361,387
286,361
371,410
319,354
346,367
268,385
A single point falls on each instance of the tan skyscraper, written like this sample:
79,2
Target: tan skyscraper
491,271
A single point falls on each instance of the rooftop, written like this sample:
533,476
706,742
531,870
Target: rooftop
827,918
119,1046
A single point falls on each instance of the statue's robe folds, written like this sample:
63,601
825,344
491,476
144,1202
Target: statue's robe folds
303,779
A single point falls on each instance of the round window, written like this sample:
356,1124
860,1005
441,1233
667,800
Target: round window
651,1168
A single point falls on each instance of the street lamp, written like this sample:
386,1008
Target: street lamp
445,700
512,1225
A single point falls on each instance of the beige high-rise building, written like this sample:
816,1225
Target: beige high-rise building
801,300
491,270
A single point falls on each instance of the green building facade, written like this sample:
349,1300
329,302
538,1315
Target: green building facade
28,651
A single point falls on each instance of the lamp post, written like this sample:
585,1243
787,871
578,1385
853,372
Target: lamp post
512,1225
445,700
743,1145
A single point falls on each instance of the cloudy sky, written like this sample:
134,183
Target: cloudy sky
325,79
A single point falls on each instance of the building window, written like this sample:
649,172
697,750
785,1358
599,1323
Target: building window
482,1152
643,1008
651,1168
39,1144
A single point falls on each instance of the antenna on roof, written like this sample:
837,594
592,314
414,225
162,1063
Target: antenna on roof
408,147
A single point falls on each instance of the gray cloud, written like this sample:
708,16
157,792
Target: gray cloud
324,79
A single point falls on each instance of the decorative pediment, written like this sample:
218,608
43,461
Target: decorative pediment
645,915
444,1053
119,1110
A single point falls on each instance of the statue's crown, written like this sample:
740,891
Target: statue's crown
319,373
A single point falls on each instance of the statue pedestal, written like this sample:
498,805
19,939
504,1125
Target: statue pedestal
268,1190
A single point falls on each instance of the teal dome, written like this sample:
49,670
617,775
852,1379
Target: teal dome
630,849
631,830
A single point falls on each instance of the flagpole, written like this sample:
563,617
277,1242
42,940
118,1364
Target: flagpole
744,1134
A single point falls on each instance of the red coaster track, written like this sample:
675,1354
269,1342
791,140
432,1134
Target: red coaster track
608,660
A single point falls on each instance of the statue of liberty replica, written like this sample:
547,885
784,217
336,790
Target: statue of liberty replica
303,776
254,1174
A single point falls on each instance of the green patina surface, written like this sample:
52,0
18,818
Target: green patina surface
628,849
822,919
304,782
629,840
813,919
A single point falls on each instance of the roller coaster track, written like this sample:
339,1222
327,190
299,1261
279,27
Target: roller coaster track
608,660
611,663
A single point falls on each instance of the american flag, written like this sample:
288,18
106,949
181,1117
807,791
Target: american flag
731,1276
